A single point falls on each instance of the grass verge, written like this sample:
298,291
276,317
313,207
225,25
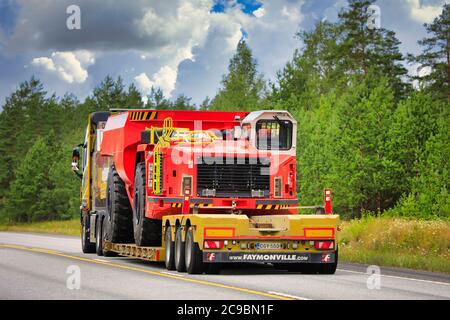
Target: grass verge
396,242
67,227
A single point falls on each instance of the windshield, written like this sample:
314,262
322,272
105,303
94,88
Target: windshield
274,134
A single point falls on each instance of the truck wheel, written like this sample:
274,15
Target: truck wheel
86,245
106,236
147,232
118,209
98,237
180,263
193,254
170,249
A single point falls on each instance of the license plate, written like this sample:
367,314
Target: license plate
268,246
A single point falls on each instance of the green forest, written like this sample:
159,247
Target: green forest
375,135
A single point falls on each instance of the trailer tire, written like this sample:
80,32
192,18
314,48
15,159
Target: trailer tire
86,245
180,263
170,249
193,254
98,237
118,209
147,232
106,237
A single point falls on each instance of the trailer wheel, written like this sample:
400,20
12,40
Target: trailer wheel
180,263
86,245
147,232
118,209
98,237
170,249
106,236
193,254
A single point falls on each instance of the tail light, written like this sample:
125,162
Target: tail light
324,245
213,245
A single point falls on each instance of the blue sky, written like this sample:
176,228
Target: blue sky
181,46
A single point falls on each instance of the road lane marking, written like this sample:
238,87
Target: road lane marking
156,273
397,277
286,295
102,260
172,274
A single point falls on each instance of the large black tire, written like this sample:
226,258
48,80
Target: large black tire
147,232
180,263
193,254
106,236
99,237
86,245
170,249
119,213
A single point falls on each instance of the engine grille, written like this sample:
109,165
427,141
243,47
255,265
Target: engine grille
237,177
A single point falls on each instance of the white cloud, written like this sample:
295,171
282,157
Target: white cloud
259,12
70,67
164,79
292,13
423,13
143,82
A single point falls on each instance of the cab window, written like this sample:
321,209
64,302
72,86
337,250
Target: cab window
274,134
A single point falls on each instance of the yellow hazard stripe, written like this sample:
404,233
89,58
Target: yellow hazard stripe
271,207
143,115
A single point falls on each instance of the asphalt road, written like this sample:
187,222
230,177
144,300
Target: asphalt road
36,266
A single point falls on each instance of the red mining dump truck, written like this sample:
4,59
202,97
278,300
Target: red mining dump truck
198,189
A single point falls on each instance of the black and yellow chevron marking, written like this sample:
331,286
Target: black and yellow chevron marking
272,207
201,205
192,205
143,115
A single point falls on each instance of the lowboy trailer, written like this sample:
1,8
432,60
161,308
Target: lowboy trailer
197,189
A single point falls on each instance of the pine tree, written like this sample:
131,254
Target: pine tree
182,102
26,197
157,100
242,88
365,49
21,120
359,173
436,56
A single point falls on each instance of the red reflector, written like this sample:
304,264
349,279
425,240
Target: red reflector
213,245
324,244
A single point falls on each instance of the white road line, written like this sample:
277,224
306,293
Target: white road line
172,274
287,295
101,260
396,277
